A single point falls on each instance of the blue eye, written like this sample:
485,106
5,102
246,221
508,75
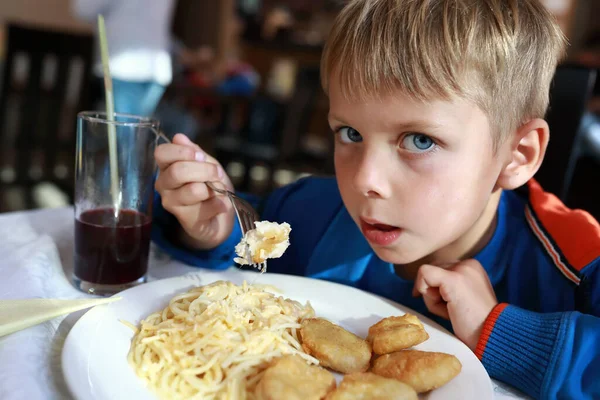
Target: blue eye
417,143
349,135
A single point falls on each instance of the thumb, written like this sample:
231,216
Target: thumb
213,207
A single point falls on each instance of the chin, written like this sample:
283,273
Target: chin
397,256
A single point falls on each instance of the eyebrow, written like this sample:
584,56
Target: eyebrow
411,125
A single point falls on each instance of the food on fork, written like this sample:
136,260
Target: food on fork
422,370
267,240
335,347
396,333
292,378
368,386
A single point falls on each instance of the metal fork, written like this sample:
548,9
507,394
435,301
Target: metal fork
246,215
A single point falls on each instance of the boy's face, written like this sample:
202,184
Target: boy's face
416,177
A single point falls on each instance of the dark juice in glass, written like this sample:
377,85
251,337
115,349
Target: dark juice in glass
109,250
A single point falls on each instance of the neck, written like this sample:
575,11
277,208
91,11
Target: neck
467,246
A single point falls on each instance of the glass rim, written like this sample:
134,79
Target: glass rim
100,116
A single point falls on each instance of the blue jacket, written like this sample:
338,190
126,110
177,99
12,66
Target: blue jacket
543,261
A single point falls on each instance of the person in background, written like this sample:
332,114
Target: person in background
217,75
139,42
227,74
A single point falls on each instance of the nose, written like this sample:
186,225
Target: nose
372,177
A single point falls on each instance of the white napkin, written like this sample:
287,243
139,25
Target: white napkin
30,267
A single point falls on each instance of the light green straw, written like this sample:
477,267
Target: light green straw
110,116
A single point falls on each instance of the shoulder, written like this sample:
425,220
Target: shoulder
314,194
571,238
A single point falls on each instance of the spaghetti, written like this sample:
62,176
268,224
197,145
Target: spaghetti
215,341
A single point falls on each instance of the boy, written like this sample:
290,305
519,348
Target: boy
437,111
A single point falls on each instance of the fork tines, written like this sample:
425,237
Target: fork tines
246,215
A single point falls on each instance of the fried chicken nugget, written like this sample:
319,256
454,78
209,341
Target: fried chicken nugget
335,347
368,386
292,378
423,370
396,333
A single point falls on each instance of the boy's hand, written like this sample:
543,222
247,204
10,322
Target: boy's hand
207,219
461,293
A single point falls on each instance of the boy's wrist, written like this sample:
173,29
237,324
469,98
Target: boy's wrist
208,237
189,242
517,346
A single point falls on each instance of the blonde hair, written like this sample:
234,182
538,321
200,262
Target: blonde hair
499,54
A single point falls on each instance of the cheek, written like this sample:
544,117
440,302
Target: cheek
343,174
454,194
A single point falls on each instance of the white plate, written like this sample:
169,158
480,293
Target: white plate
94,357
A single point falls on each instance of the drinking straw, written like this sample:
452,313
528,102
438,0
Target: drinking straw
110,116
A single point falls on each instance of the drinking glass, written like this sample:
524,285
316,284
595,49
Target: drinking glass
112,230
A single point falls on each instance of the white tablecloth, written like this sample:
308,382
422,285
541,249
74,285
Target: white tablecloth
36,252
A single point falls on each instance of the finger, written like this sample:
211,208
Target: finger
426,290
183,140
420,286
187,195
196,215
435,304
184,172
192,193
415,291
468,267
446,265
419,283
213,207
433,294
167,154
436,277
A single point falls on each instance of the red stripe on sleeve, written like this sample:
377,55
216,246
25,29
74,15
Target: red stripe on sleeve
488,327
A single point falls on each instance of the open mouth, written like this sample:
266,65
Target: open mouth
379,233
384,227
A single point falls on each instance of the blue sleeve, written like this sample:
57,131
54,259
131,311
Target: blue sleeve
546,355
308,205
165,229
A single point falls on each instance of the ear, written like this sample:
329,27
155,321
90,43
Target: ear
527,150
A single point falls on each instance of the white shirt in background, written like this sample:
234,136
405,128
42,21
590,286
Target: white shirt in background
138,34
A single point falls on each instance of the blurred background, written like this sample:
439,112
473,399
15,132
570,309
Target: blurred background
241,78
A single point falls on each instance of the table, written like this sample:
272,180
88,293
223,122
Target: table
36,252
